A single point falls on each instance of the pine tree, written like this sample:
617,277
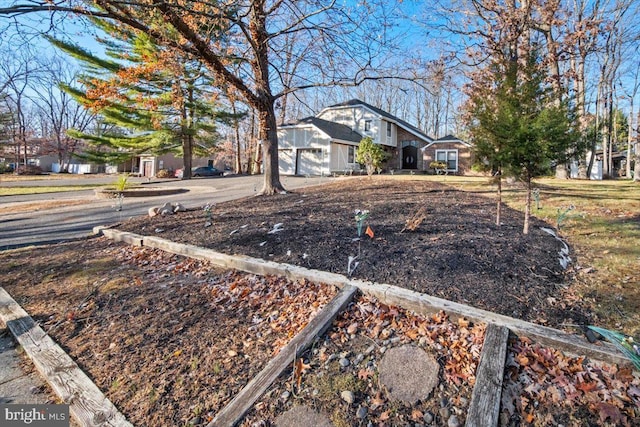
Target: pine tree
519,128
156,100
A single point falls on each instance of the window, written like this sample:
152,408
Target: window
367,125
450,157
388,129
351,154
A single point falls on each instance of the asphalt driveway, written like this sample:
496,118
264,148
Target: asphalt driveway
79,211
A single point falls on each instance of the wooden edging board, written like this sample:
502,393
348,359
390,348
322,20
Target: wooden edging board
484,409
392,295
235,410
87,404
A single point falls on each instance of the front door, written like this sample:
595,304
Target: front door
410,157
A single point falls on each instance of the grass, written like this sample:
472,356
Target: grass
21,191
603,231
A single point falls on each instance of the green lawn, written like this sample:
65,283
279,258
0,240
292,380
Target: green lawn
19,191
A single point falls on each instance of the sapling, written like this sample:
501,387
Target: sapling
208,215
536,196
563,214
360,217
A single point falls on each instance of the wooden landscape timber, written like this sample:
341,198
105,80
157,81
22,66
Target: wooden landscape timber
87,404
484,409
236,409
570,344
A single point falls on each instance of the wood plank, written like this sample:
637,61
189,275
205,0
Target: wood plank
484,409
88,405
233,413
570,344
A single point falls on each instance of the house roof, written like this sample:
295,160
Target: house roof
449,138
407,126
334,130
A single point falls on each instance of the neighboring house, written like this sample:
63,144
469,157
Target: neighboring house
453,151
326,143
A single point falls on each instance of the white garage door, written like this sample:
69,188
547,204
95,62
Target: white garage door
285,161
310,162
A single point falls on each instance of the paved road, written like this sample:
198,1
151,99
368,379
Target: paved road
75,221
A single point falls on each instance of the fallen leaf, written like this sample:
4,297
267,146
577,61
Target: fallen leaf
416,415
608,411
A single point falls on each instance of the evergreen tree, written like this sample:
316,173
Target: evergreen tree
370,154
157,100
519,128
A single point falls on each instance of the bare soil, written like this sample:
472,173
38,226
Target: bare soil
457,252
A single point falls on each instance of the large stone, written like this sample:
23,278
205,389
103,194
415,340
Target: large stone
303,416
408,373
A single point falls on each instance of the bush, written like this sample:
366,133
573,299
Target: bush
29,170
6,168
165,173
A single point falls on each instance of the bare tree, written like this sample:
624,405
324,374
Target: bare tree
237,41
59,111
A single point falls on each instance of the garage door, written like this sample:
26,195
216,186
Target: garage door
309,162
285,161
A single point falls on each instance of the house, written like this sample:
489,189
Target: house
452,151
326,143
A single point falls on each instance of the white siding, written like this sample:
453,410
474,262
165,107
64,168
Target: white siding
340,159
286,161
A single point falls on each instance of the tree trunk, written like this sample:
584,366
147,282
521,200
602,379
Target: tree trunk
527,208
236,128
187,140
499,203
636,169
268,136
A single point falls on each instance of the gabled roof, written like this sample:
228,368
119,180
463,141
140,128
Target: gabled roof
407,126
334,130
449,138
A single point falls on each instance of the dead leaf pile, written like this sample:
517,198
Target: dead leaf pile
540,380
361,335
169,340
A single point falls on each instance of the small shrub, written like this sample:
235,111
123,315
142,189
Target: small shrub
122,183
29,170
5,168
165,173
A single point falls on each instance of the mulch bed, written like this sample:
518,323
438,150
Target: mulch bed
457,252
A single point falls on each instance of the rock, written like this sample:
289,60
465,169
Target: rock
153,211
166,209
428,417
179,208
352,328
444,402
285,396
453,421
464,402
359,358
361,412
369,349
159,230
344,362
445,413
303,416
408,373
348,396
232,353
195,421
